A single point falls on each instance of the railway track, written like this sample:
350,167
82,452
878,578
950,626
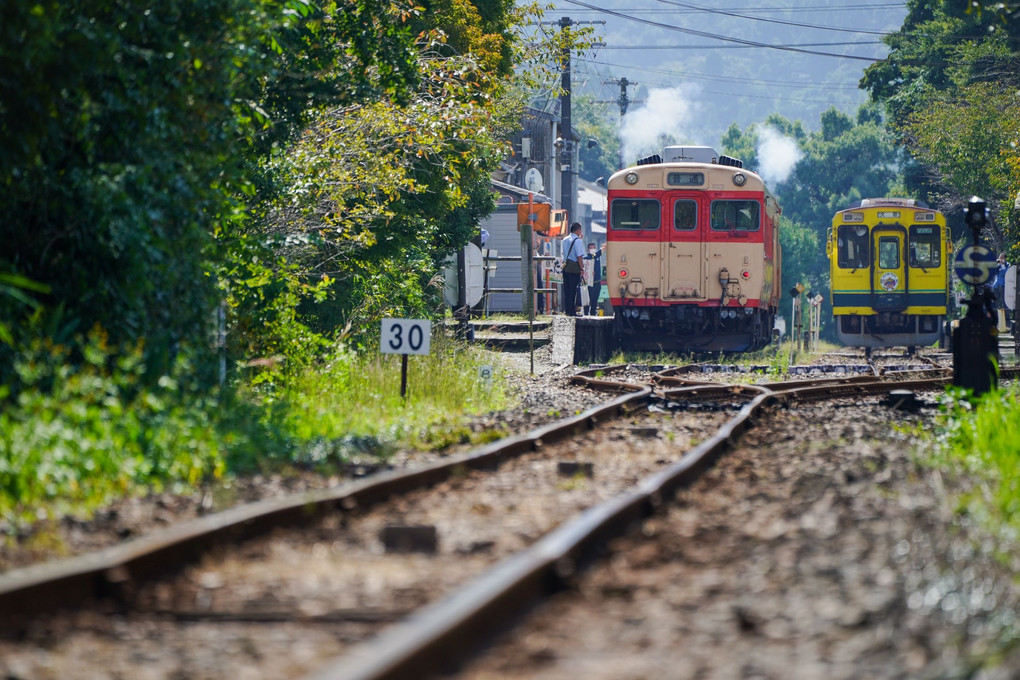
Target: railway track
320,606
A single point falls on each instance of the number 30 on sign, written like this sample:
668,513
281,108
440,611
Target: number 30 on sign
405,336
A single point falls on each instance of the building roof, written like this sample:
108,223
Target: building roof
591,194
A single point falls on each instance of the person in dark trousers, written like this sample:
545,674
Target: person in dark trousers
595,285
573,265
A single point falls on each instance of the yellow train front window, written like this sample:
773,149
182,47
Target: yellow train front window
925,246
852,250
888,253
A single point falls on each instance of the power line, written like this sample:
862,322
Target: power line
798,24
773,98
735,47
767,10
715,36
733,79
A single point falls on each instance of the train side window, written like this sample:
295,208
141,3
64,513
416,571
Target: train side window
635,214
685,215
888,252
925,246
852,250
735,215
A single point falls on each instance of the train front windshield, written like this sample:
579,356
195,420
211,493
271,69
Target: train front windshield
735,215
852,246
925,247
635,214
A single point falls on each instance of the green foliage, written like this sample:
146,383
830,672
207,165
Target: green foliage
377,194
482,29
120,131
132,130
357,395
76,434
968,137
981,438
845,161
593,121
263,295
248,179
949,84
803,260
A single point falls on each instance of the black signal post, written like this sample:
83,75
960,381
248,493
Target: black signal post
975,338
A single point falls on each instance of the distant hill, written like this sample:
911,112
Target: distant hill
693,84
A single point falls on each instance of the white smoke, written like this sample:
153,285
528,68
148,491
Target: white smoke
777,155
666,117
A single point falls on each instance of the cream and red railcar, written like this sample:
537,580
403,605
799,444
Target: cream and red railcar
692,254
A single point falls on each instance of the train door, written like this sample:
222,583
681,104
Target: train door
888,273
685,251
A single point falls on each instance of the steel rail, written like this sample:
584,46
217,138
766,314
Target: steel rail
713,391
442,635
439,637
46,588
874,386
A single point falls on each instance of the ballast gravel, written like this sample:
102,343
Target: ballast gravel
818,548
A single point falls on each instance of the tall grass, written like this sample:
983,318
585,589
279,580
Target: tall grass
77,434
981,436
352,403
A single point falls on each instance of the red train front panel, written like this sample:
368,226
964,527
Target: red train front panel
692,259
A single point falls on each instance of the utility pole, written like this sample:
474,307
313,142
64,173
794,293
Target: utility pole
623,101
568,170
568,194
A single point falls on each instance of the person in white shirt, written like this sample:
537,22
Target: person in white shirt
573,265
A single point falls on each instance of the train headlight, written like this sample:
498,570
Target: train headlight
630,178
853,217
739,179
624,273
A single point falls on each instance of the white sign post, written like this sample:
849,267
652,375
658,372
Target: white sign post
1010,293
404,337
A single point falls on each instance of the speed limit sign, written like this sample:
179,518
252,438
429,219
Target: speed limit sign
406,336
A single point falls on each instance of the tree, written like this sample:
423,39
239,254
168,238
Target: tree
593,121
382,191
949,84
131,130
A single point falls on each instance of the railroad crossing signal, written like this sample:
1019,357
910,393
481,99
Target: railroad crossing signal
975,264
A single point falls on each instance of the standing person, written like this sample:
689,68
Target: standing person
573,265
595,283
999,287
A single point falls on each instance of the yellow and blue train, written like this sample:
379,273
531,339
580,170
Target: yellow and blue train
889,273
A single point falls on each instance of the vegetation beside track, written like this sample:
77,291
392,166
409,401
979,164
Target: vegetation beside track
79,434
981,438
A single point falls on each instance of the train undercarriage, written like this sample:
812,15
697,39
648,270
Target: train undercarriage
889,329
691,328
